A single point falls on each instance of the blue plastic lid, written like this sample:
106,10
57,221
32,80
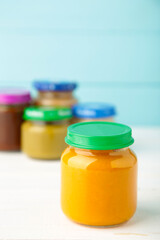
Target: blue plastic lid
46,85
93,110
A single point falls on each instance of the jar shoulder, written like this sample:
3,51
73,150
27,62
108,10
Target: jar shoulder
42,127
99,160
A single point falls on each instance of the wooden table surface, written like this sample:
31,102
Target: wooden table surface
30,198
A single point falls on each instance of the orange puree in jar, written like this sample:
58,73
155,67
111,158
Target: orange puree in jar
99,187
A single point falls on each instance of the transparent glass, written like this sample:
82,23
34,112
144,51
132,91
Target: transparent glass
44,140
55,99
98,187
10,125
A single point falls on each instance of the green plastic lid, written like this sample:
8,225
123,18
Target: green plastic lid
46,114
99,135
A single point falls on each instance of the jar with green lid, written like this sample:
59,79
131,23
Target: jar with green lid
43,132
99,174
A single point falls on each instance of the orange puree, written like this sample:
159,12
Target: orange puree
99,187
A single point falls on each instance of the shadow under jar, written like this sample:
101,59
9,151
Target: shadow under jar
99,174
84,112
44,131
12,105
55,94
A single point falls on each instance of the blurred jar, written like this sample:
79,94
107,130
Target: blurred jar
12,104
84,112
44,131
55,94
99,174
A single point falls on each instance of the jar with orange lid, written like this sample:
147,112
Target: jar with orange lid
99,174
83,112
55,94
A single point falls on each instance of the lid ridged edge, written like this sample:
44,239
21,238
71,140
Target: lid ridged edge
118,139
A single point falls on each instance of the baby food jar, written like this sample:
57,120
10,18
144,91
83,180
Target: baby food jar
99,174
44,131
55,94
12,104
84,112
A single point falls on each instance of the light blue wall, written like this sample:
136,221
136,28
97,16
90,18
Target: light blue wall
112,48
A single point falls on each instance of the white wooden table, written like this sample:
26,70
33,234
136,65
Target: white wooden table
30,198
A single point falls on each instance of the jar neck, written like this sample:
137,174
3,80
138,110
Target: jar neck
57,94
89,152
105,119
43,123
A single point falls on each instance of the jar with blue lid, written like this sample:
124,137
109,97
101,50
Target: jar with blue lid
84,112
55,93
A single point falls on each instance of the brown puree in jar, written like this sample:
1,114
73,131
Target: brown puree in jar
10,123
12,104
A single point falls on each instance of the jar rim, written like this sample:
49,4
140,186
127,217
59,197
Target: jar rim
99,135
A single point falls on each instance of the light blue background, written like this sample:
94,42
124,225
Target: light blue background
112,48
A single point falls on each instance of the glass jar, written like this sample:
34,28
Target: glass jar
44,131
84,112
12,104
99,174
55,94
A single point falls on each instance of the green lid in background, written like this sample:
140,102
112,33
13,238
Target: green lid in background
46,114
99,135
